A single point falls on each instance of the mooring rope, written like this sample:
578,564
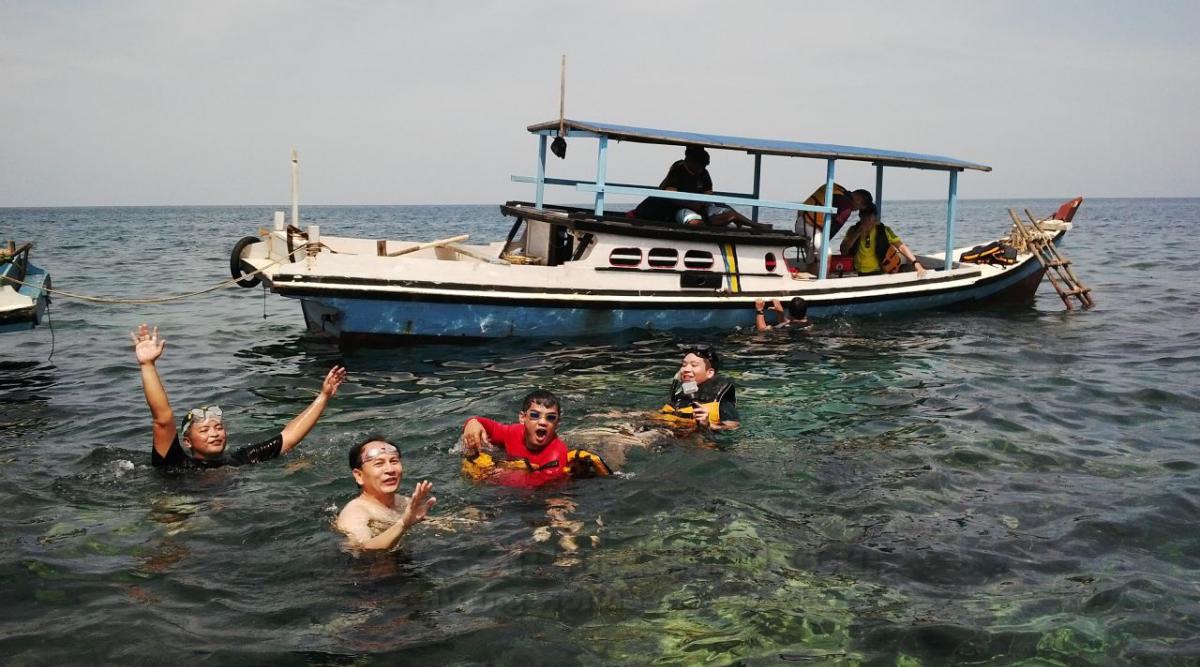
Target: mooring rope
164,299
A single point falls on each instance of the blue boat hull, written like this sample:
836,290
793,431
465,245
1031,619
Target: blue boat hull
393,314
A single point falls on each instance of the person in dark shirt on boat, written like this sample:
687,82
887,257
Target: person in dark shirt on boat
875,247
796,314
379,517
699,395
202,429
691,175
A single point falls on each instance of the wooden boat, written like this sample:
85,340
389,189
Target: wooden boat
23,295
567,271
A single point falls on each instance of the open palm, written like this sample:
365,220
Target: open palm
147,345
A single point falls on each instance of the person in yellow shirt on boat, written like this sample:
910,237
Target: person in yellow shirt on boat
875,247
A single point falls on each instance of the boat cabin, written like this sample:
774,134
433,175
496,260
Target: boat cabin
554,235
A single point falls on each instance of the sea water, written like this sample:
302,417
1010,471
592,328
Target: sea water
996,486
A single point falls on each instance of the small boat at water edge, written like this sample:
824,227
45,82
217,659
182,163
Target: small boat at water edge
23,295
565,271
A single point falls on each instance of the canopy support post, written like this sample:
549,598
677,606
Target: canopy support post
601,172
757,182
823,271
541,171
879,190
951,210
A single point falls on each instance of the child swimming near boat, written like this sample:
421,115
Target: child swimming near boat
201,439
535,454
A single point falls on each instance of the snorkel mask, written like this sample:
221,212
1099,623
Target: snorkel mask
200,414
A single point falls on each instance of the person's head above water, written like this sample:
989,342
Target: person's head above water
376,465
700,363
696,155
797,308
203,431
540,412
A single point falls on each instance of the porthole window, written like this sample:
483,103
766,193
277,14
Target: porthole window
662,258
770,261
625,257
698,260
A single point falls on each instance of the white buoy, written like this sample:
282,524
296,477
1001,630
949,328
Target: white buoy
280,220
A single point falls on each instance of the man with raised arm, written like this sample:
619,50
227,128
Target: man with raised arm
379,517
202,429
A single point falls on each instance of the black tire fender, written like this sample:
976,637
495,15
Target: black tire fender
235,261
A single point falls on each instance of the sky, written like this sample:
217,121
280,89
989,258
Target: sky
201,103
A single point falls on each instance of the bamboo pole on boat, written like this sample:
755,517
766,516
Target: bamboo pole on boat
430,244
475,255
295,189
559,146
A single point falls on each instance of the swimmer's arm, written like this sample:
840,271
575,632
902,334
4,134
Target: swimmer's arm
760,317
356,519
148,347
299,427
478,433
725,426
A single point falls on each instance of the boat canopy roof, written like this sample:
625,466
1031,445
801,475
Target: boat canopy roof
762,146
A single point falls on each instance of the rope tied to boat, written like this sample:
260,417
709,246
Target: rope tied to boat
164,299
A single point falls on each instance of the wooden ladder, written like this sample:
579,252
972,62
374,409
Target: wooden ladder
1058,268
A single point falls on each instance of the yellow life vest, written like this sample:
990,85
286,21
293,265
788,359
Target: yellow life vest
580,463
816,221
676,417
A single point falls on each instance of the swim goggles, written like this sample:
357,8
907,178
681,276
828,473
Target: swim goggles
377,451
706,352
200,414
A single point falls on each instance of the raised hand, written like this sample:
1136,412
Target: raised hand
333,380
147,345
419,504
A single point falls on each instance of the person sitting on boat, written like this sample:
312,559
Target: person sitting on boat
875,247
379,517
202,429
691,175
699,395
536,455
796,314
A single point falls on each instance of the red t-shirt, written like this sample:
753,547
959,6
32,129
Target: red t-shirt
545,466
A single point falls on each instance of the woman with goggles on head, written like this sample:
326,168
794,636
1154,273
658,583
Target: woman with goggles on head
202,430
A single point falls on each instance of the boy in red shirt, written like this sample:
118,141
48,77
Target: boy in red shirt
536,455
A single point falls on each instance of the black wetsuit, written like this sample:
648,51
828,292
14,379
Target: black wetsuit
178,459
